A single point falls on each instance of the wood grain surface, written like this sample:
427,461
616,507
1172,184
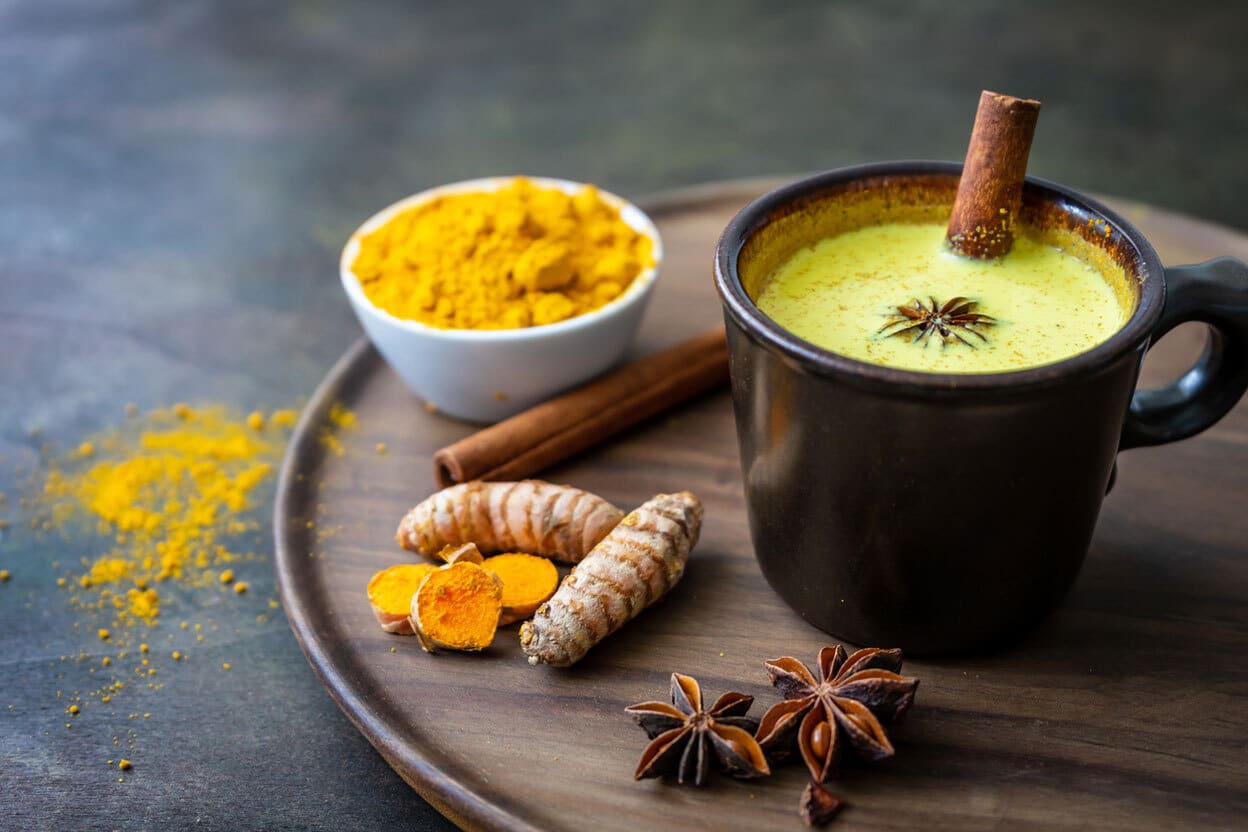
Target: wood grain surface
1124,710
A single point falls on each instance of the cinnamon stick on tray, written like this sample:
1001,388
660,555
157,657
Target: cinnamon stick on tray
555,430
991,189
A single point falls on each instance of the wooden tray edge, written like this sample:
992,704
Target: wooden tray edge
445,793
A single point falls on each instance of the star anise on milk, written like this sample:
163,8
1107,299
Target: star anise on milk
946,321
688,740
846,704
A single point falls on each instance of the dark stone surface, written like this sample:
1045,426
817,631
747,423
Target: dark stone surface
176,180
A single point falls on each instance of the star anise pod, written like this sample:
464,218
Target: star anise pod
947,320
686,739
818,805
847,703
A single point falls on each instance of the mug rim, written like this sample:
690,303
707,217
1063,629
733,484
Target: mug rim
742,308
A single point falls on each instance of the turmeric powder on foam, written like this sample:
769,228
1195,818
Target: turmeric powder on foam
524,255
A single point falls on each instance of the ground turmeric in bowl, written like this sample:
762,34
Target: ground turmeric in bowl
523,255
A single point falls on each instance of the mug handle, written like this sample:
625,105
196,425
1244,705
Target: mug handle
1216,293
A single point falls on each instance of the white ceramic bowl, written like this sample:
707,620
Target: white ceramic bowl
488,375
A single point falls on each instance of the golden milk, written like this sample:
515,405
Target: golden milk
1046,303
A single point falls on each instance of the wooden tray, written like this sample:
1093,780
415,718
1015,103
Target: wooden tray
1125,710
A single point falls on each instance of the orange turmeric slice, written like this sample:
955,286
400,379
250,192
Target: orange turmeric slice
456,552
457,607
390,592
527,581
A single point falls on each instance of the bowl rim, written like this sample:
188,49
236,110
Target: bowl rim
629,213
741,308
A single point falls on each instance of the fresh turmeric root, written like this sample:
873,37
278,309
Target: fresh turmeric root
527,582
555,521
632,567
457,607
390,593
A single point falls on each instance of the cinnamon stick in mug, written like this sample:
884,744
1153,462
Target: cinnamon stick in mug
544,435
991,189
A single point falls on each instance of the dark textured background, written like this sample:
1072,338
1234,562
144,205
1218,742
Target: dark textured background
176,180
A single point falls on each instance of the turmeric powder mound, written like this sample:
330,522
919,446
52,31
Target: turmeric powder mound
457,607
527,581
390,592
524,255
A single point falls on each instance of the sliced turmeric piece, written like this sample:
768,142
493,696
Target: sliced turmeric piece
527,582
457,607
468,552
633,567
555,521
390,592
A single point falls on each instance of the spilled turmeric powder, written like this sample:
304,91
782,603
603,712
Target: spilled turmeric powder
159,509
169,495
340,419
524,255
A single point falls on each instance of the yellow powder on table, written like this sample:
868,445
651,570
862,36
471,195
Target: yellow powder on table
170,493
157,511
284,418
143,604
524,255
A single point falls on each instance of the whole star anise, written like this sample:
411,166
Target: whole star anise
947,320
686,739
848,702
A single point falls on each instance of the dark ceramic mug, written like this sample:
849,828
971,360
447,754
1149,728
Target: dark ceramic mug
942,512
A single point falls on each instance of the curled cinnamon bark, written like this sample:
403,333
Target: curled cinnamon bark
536,439
991,189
